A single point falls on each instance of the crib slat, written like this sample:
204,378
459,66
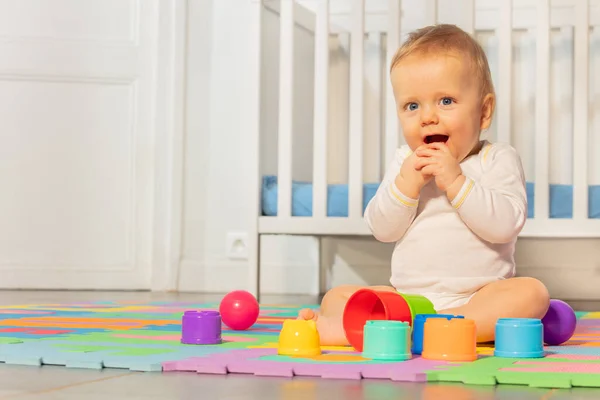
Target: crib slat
372,133
392,128
542,108
580,111
321,110
286,94
505,71
355,159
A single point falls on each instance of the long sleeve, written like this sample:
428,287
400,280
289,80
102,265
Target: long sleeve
494,206
389,213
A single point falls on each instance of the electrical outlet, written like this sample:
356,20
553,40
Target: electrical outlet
237,245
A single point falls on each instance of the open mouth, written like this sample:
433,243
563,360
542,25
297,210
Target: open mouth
436,138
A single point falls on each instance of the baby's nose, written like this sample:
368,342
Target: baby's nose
428,117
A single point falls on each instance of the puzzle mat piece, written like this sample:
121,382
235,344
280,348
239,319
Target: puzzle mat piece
156,321
553,371
140,308
96,353
46,328
334,365
84,322
169,339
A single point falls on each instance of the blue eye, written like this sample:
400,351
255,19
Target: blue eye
446,101
411,106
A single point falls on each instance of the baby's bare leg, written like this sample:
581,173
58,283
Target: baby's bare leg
510,298
329,317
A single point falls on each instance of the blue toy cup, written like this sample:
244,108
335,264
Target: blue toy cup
519,338
418,329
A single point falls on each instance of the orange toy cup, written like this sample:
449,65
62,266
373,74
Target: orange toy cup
449,339
369,305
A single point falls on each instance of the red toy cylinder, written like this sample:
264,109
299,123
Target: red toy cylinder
367,305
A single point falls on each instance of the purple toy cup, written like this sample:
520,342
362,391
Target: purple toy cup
201,327
559,323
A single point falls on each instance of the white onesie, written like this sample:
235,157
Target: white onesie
448,251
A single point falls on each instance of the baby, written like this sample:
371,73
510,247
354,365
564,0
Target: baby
452,203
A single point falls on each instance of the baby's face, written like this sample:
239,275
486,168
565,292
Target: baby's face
438,99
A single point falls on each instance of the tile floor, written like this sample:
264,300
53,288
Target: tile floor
49,382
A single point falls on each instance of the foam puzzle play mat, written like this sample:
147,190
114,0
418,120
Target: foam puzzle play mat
162,337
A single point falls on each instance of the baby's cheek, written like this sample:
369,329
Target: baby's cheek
413,141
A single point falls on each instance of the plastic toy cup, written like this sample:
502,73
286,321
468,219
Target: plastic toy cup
370,305
299,338
201,327
519,338
387,340
418,305
559,323
418,328
449,339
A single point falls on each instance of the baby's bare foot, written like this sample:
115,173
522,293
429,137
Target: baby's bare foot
331,330
307,314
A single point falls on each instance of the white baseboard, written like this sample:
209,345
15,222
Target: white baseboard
225,276
290,265
198,276
569,283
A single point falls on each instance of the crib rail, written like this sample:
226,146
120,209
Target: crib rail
392,132
286,108
321,108
319,223
542,110
505,35
580,110
355,166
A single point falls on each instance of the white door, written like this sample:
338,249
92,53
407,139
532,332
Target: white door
76,143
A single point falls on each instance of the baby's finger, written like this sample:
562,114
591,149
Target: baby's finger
429,170
423,161
439,146
425,152
422,147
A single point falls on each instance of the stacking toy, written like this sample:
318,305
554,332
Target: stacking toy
519,338
370,305
201,327
387,340
559,323
418,327
449,339
299,338
239,310
418,304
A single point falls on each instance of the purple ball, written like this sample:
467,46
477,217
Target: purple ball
559,323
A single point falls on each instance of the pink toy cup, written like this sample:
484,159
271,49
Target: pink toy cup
368,305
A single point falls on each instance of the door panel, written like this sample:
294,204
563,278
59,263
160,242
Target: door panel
76,129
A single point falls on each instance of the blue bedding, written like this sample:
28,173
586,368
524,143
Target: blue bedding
561,199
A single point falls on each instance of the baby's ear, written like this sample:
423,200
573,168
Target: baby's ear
487,110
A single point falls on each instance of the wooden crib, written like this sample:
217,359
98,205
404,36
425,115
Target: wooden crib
315,168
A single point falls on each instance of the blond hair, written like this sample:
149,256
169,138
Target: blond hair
448,38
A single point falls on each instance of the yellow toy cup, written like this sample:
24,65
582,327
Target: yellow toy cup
299,338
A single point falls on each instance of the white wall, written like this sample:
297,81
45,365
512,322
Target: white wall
214,196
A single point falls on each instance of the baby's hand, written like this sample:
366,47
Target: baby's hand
410,181
435,159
